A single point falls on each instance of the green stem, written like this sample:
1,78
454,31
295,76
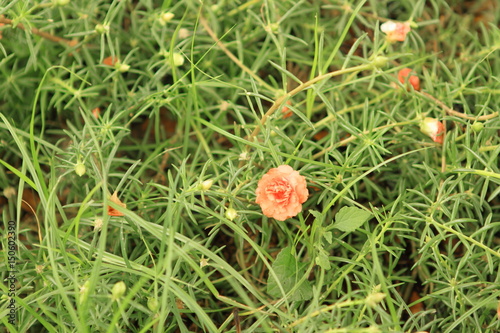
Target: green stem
488,148
462,236
352,138
327,309
332,117
280,100
231,56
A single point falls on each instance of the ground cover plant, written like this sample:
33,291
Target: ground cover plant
249,166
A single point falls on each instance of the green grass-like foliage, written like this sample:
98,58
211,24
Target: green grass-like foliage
180,108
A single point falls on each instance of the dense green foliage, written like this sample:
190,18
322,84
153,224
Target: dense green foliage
181,115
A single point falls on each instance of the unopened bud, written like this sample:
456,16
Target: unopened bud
183,33
380,61
404,75
80,169
231,214
118,290
101,28
207,184
273,28
153,304
165,18
477,127
433,128
122,67
178,59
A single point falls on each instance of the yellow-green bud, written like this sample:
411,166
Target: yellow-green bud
178,59
231,214
122,67
380,61
166,17
477,127
273,28
153,304
118,290
207,184
101,28
80,169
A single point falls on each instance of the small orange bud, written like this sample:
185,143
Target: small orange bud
111,210
73,43
404,75
110,61
96,112
286,110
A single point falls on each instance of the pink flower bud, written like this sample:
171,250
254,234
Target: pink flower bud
433,128
404,75
395,31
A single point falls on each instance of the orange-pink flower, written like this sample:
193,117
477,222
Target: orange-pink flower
281,193
404,75
433,128
395,31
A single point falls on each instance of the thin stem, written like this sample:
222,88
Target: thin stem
352,138
301,87
327,309
461,235
38,32
243,7
452,112
332,117
488,148
223,47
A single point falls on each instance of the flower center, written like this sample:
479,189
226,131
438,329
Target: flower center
280,190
